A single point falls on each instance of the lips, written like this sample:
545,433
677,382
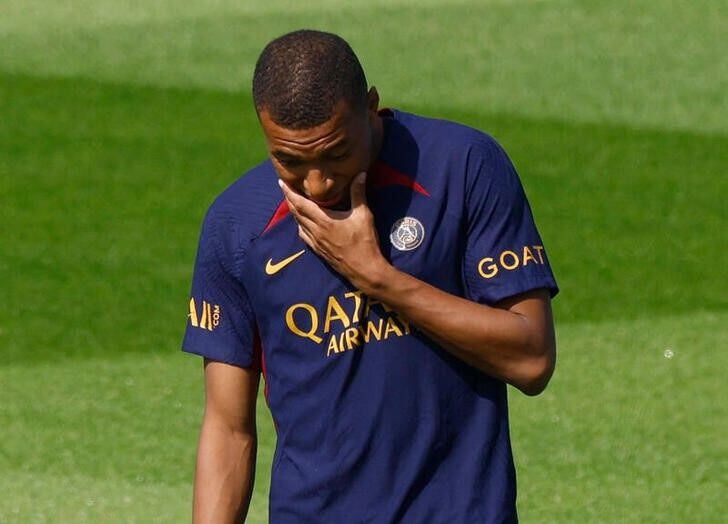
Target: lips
330,202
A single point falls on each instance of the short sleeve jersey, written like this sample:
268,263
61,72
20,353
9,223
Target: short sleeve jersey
375,422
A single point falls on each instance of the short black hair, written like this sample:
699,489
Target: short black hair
301,76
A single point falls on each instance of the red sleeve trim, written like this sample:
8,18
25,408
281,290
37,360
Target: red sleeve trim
384,175
281,212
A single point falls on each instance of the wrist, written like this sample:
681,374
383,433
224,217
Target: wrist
378,273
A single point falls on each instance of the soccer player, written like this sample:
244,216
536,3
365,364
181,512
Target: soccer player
384,273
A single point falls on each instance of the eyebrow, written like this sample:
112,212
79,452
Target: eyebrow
285,155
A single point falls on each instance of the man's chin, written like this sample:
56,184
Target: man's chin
340,202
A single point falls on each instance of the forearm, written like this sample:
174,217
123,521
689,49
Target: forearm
224,474
513,343
501,343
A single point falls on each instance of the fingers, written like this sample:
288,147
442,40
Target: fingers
302,205
307,227
303,220
306,237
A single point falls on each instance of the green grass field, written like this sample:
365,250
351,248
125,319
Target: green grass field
120,122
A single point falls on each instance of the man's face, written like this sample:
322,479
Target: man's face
320,162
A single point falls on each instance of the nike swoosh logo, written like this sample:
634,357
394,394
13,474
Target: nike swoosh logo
272,269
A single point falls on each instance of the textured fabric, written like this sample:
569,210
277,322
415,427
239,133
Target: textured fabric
375,422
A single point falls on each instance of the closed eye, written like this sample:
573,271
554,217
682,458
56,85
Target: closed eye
289,161
339,156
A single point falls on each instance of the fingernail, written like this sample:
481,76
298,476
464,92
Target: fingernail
280,183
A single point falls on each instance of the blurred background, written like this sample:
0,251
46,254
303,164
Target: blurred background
120,121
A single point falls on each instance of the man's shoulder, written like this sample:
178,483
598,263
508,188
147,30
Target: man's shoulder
447,157
444,134
242,210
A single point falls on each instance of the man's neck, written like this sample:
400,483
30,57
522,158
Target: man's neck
377,140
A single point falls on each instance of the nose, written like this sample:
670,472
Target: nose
317,183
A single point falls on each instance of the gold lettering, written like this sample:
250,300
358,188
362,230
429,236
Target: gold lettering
334,311
311,333
203,319
373,302
193,313
492,268
352,337
538,250
391,328
371,330
216,316
515,263
332,346
527,255
405,324
356,295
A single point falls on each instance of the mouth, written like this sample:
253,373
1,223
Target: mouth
331,201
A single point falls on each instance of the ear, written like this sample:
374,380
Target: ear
373,100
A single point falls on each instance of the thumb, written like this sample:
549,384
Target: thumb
359,190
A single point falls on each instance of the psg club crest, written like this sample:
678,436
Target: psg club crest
407,233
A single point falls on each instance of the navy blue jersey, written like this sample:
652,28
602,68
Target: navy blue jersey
375,422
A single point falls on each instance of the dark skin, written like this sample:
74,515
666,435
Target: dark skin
322,174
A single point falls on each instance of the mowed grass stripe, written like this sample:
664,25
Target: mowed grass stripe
43,498
104,189
657,64
130,422
630,428
34,16
622,434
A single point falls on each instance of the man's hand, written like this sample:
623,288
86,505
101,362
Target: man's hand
513,341
347,240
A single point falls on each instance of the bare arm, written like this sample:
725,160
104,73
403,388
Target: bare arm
226,453
513,341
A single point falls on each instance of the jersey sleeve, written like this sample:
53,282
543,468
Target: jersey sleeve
220,321
504,254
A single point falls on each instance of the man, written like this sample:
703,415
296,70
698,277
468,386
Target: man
384,272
